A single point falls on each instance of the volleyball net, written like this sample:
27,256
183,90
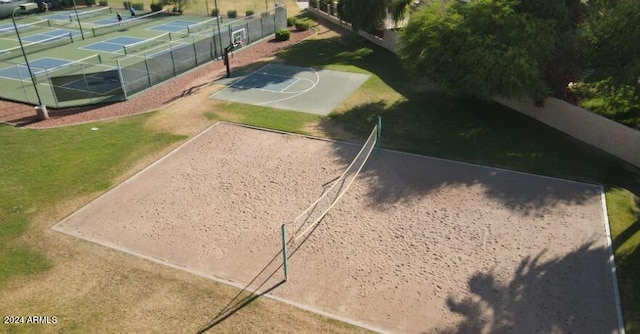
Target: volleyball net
309,218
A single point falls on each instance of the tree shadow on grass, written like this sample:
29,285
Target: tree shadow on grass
396,177
569,294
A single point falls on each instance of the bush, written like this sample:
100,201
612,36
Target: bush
103,3
291,21
215,12
90,3
283,35
126,4
617,102
313,3
232,14
302,25
156,7
249,13
138,6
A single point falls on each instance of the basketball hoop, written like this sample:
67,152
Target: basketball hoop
238,44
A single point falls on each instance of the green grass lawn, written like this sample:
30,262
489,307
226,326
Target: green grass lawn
42,168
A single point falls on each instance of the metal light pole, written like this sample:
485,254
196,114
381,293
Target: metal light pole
41,109
78,18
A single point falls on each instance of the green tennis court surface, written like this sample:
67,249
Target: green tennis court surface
292,88
69,57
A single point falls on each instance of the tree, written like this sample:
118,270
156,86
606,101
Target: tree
614,31
369,15
483,48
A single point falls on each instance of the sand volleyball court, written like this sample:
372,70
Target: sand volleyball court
416,245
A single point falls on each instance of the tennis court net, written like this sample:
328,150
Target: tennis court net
91,13
310,217
26,26
42,45
200,26
147,44
111,27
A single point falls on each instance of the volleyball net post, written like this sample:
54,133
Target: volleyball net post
283,229
310,217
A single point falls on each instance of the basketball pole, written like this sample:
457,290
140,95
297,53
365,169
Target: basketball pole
283,229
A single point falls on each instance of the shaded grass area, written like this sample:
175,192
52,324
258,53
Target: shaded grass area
42,168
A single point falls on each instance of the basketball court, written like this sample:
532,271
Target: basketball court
291,88
416,244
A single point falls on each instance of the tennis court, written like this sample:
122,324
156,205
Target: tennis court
40,65
415,245
173,26
145,50
291,88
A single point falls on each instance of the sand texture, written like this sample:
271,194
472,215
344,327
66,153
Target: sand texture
416,245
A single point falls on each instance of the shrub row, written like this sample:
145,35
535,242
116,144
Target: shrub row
300,24
232,14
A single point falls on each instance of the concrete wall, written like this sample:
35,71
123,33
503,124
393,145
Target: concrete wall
390,37
607,135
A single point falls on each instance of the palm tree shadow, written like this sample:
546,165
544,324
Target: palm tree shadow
565,294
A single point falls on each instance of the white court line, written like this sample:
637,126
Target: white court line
293,83
611,262
298,94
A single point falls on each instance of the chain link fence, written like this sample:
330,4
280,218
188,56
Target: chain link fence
91,81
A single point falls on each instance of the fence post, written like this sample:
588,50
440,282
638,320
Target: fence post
146,66
195,51
53,92
122,83
173,61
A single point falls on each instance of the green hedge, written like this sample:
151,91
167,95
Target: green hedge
138,6
232,14
215,12
103,3
302,25
249,13
156,7
291,21
126,4
283,35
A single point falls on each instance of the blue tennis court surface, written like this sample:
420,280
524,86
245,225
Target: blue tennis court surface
113,45
38,66
110,20
270,82
50,35
59,17
173,26
6,27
